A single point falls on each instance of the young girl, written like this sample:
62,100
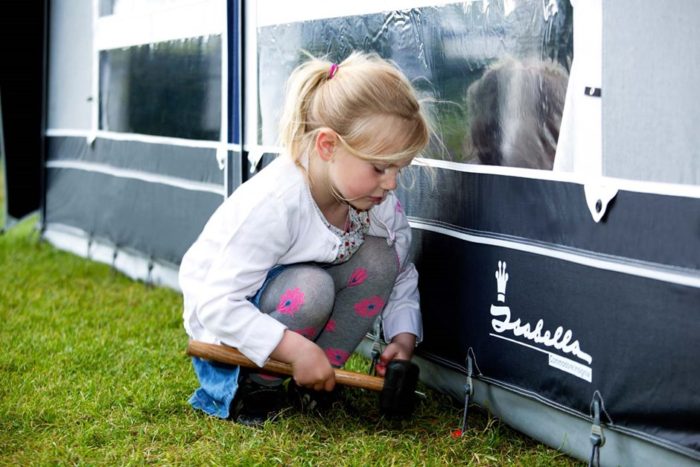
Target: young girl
299,261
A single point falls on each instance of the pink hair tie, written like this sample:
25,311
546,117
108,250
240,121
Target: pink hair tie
332,71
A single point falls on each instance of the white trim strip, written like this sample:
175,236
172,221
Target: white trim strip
149,26
689,191
192,143
263,149
639,186
669,189
68,132
137,175
598,263
499,170
272,12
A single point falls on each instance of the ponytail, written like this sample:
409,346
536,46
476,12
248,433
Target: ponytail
301,87
348,98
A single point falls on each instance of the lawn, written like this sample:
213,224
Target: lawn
94,372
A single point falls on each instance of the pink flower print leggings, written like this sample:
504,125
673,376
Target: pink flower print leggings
334,305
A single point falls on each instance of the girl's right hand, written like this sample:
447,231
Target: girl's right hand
312,370
310,365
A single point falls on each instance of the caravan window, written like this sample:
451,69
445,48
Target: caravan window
160,67
495,73
170,88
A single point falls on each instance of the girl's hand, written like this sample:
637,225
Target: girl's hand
312,369
309,363
401,348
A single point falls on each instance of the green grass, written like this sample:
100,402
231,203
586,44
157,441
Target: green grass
94,372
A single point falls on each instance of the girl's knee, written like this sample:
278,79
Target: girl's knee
379,257
297,288
317,285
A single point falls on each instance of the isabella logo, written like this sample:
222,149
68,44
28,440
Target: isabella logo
519,333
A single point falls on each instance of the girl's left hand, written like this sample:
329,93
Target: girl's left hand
401,348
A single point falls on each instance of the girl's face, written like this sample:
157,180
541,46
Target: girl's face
364,184
347,177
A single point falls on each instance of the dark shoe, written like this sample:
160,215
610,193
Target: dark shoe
308,400
256,403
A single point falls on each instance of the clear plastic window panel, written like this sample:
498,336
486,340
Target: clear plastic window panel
169,88
493,73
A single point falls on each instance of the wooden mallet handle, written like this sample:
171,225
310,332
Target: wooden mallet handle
231,356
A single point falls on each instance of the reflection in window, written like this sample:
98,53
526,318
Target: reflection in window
515,112
444,50
167,89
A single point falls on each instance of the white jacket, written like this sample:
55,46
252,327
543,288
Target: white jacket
271,220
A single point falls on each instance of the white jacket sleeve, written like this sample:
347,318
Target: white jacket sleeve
402,311
249,243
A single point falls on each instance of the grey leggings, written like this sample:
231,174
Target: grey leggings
334,305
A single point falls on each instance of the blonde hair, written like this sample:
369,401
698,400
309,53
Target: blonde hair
363,88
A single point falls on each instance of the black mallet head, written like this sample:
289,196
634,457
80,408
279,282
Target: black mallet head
398,397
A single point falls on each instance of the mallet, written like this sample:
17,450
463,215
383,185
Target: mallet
397,388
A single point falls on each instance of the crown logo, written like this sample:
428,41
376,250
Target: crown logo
501,281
